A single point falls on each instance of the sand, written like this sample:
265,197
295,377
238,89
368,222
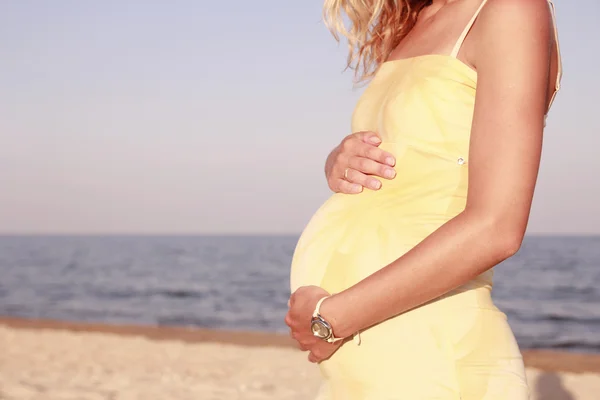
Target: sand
53,360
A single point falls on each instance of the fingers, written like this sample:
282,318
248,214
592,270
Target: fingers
299,343
376,154
288,319
344,186
364,144
369,167
356,177
369,137
312,358
357,163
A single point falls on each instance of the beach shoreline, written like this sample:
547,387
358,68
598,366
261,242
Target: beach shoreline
547,360
62,360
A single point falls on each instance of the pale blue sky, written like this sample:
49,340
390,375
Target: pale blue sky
216,117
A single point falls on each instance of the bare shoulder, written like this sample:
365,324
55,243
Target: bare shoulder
516,17
513,29
518,6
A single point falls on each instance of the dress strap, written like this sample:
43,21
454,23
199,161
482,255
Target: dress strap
559,73
466,31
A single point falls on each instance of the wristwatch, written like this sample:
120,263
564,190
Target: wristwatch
320,327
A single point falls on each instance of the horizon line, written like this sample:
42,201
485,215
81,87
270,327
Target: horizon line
227,234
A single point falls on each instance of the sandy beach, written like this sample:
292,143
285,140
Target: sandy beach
48,360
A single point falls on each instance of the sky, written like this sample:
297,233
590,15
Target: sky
215,117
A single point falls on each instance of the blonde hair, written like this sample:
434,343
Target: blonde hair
376,28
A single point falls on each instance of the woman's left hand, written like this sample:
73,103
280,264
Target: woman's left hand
301,307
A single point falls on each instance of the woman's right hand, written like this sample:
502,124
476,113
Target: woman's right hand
355,162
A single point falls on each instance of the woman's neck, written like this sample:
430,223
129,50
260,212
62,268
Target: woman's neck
433,7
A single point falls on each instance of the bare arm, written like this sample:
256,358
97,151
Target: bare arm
512,59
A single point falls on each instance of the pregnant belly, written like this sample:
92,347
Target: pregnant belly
352,236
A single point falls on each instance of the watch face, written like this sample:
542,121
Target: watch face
320,329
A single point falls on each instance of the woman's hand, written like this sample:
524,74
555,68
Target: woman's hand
301,307
352,164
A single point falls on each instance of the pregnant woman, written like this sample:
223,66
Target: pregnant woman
391,279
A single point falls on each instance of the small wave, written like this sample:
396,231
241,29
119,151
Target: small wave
567,345
115,294
580,313
569,318
179,294
575,290
126,294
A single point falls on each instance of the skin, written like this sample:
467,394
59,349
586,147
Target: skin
359,154
509,47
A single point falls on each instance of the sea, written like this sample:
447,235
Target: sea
550,290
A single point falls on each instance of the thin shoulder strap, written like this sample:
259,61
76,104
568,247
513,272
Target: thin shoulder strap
465,32
559,73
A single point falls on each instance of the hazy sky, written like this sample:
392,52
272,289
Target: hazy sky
187,116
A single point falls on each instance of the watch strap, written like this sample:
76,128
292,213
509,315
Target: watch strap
316,314
318,306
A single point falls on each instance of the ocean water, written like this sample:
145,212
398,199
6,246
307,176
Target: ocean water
550,290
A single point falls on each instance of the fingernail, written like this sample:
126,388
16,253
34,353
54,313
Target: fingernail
390,161
375,140
389,173
356,188
375,185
